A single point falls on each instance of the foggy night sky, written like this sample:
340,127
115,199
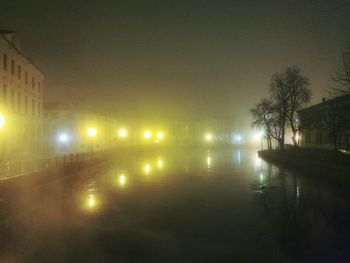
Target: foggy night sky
174,59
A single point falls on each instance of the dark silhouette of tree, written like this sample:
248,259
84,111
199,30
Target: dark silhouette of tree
280,97
262,119
299,95
290,92
341,76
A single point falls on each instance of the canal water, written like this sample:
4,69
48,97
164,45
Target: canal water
184,205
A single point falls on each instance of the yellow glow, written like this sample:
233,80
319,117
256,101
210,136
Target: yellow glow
160,163
122,133
209,162
160,135
147,168
91,132
147,134
122,180
91,202
2,121
208,137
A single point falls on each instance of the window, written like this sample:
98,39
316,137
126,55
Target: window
12,67
39,109
26,77
5,61
39,87
33,82
19,72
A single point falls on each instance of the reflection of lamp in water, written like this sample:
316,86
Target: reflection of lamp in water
257,161
147,168
160,163
122,180
91,202
209,162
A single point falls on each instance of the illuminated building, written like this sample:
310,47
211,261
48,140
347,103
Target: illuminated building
21,101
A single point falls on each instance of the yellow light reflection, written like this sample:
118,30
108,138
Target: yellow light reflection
2,120
122,180
147,168
160,163
147,134
209,162
91,201
91,132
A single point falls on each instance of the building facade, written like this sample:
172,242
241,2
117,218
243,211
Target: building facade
327,124
21,101
70,130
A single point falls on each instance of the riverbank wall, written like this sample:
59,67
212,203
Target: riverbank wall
329,164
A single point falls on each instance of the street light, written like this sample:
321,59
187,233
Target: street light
160,135
63,138
122,133
147,134
208,137
91,132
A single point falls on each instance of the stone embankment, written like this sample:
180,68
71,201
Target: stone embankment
330,164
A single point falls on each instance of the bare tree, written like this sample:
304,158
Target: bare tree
262,118
341,76
280,96
299,95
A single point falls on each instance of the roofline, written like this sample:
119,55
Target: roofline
4,32
346,96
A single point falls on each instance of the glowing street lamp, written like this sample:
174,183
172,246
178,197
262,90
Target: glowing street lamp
208,137
63,138
122,133
91,132
160,135
147,134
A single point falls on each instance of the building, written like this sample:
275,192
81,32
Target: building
67,129
327,124
21,101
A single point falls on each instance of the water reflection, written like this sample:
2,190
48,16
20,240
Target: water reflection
122,180
91,200
305,221
160,163
147,169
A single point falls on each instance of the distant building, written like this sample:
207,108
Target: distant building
327,124
21,101
68,129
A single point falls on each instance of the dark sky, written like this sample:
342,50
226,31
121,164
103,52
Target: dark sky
170,59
